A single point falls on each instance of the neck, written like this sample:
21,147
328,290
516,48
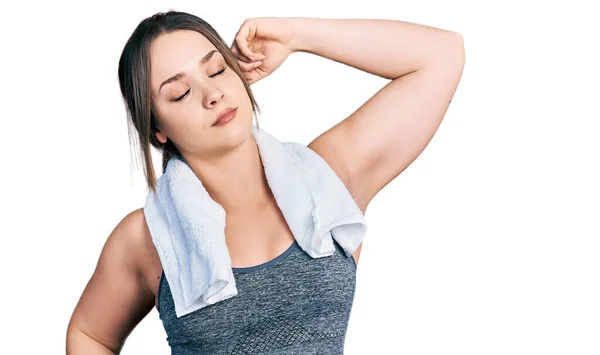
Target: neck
236,181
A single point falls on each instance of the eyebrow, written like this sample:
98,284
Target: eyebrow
180,75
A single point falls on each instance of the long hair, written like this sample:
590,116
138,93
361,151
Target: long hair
134,81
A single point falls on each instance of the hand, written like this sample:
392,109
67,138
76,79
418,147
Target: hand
261,45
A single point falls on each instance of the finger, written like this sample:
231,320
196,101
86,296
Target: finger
235,50
249,66
256,75
245,51
251,77
242,58
246,33
239,56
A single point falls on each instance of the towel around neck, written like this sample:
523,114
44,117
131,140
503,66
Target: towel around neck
188,227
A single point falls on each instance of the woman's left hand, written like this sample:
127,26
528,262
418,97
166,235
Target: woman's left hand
262,44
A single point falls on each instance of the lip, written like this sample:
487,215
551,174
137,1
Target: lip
225,113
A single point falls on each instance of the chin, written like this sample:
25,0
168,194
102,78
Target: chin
237,130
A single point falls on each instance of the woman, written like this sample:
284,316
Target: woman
187,93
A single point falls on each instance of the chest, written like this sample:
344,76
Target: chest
289,304
252,239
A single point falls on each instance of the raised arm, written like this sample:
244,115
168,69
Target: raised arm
116,297
379,140
386,134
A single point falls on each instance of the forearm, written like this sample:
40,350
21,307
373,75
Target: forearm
386,48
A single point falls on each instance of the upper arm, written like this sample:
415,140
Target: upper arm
116,298
386,134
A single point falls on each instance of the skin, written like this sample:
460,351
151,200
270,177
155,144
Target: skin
224,157
227,161
366,156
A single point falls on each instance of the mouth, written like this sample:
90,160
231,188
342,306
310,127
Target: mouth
225,116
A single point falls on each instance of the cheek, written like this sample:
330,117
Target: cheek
235,81
174,112
159,109
239,92
169,118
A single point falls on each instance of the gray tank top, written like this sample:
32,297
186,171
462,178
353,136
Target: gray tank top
293,304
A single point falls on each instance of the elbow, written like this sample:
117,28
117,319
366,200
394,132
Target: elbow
450,51
454,52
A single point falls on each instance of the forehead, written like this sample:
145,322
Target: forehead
171,53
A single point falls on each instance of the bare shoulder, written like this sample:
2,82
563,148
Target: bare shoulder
138,240
116,297
147,256
135,224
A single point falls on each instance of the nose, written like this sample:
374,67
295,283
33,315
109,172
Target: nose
212,97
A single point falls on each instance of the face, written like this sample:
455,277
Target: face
191,86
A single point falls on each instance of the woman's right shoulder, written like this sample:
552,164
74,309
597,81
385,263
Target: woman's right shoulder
131,250
130,233
116,298
133,226
134,229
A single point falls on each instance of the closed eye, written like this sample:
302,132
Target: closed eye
219,73
185,93
182,96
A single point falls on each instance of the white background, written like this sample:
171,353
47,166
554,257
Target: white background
488,243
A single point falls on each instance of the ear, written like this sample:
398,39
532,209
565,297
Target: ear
161,137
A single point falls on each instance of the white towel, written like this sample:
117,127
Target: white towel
188,226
